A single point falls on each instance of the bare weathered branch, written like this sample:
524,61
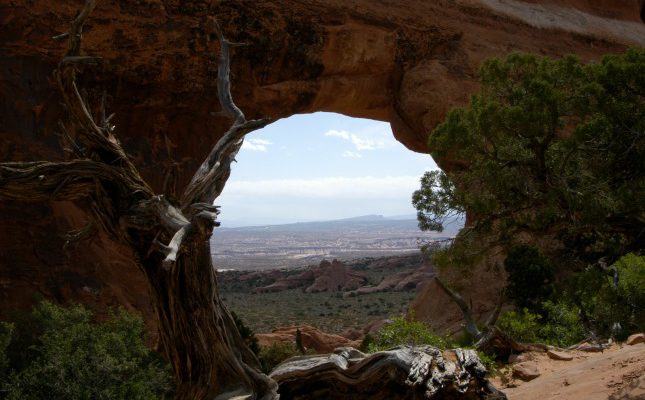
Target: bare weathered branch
223,78
169,215
492,319
174,247
209,180
471,326
96,140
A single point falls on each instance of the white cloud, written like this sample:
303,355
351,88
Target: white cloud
340,134
351,154
371,138
255,144
367,187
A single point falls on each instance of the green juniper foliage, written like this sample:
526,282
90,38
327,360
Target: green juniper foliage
590,302
550,153
546,146
61,353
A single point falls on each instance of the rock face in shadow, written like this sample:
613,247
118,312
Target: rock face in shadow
406,62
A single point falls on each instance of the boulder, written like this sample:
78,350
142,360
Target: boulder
590,348
559,355
526,371
635,339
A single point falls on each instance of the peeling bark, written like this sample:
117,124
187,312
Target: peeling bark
420,372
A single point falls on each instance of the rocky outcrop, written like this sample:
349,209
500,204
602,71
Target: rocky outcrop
400,282
304,278
312,338
334,276
406,62
327,277
635,339
370,328
480,287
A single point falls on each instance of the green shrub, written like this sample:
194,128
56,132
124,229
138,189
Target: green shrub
520,325
559,325
563,326
61,353
273,355
631,290
404,332
614,311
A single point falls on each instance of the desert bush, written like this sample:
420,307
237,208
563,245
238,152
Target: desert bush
61,353
273,355
404,331
563,326
558,324
611,310
521,325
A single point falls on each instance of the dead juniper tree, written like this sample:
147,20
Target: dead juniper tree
170,238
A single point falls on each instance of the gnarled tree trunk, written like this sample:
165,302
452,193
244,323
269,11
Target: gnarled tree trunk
405,373
209,358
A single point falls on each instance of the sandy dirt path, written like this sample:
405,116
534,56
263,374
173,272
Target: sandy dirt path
618,373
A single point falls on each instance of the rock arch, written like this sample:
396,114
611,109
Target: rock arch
406,62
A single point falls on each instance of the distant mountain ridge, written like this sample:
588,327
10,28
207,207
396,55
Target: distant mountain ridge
408,222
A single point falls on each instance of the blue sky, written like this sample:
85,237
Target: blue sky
312,167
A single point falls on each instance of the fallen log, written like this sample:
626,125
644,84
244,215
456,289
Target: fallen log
405,372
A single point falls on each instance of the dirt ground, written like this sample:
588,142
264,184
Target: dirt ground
618,373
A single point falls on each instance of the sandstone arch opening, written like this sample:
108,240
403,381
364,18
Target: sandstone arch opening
316,158
353,175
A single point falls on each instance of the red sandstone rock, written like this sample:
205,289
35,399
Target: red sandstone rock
298,280
559,355
526,371
635,339
334,276
406,62
402,281
590,348
327,277
312,338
